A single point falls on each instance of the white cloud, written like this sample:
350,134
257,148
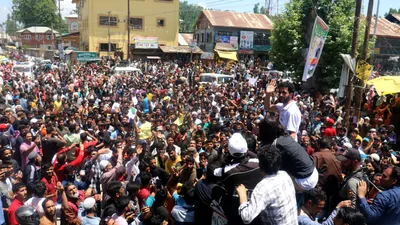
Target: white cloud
66,7
4,11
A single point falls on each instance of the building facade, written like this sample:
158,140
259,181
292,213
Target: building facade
152,23
244,33
73,25
387,44
38,37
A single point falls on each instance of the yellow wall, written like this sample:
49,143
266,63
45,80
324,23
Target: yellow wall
92,34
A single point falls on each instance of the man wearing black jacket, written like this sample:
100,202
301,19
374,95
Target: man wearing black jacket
32,171
115,190
239,169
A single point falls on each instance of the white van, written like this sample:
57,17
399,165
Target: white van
126,70
221,78
24,67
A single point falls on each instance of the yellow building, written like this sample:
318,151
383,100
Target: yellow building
153,23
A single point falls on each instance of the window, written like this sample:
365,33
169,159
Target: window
104,47
103,21
202,38
136,23
27,37
160,22
38,37
261,39
49,37
209,37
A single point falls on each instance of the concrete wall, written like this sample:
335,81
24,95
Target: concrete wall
92,33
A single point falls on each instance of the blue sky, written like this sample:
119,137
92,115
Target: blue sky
234,5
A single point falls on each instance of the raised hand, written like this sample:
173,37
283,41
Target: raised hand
271,87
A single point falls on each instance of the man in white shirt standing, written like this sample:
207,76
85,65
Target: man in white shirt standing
289,113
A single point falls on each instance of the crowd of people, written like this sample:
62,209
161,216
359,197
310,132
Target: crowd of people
82,146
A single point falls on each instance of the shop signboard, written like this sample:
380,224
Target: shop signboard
145,42
86,56
246,39
262,48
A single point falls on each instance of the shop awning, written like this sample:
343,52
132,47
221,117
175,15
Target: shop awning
227,55
180,49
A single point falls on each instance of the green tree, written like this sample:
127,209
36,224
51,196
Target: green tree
11,25
36,12
393,11
262,10
292,33
256,8
188,14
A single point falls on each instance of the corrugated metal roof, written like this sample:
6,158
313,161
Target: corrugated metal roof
385,28
238,20
184,38
37,30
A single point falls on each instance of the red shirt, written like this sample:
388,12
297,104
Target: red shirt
12,219
142,195
86,145
59,169
51,187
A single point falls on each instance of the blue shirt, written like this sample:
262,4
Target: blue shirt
306,220
88,220
385,209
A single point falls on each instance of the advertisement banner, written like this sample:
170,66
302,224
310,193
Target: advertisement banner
207,55
232,40
222,39
145,42
363,70
246,39
318,37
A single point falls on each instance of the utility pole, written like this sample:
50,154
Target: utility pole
371,61
349,94
109,35
364,55
59,24
129,30
266,7
52,36
15,21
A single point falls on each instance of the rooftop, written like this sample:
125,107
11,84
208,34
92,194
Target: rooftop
184,38
37,30
238,20
385,28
